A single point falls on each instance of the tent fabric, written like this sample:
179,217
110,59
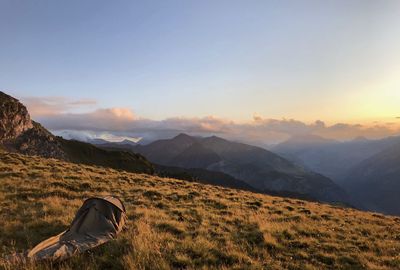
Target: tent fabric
98,221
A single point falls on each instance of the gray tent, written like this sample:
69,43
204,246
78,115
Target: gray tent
99,220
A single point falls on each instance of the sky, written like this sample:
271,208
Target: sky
205,66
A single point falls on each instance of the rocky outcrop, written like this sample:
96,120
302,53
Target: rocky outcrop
39,142
20,134
14,118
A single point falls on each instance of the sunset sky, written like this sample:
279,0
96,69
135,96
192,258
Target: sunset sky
219,66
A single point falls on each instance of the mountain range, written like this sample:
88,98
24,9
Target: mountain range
257,167
365,173
369,170
329,157
20,134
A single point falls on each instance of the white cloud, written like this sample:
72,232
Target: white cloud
88,135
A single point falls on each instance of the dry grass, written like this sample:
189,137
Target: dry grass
180,225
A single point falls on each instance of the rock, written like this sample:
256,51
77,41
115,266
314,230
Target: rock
14,118
20,134
40,142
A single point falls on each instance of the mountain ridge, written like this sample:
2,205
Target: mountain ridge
255,166
333,159
375,182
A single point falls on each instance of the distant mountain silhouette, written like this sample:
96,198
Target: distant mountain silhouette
259,168
375,182
98,141
20,134
329,157
299,142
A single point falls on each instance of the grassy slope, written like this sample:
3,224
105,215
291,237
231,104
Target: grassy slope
85,153
177,224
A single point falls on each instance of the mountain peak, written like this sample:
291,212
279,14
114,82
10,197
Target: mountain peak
126,141
4,97
183,137
215,139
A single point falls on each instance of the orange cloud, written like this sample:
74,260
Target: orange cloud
122,122
46,106
118,114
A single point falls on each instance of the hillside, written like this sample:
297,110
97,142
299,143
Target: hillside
375,182
202,176
259,168
176,224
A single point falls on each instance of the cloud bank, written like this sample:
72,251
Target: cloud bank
116,124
